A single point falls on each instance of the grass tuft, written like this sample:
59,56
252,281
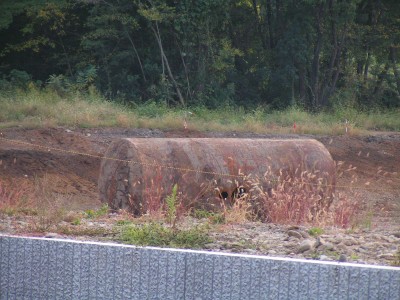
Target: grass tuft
154,234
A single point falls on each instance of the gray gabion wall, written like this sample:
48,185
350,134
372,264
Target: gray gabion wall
34,268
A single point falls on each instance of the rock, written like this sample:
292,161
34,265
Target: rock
68,130
294,227
350,241
342,247
272,252
52,235
319,242
305,246
397,234
324,257
250,251
388,239
342,258
388,256
294,233
335,240
304,234
326,247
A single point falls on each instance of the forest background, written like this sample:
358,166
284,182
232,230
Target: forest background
263,55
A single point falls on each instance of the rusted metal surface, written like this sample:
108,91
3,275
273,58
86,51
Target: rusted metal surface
132,186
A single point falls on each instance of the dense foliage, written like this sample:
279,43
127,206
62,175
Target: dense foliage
276,53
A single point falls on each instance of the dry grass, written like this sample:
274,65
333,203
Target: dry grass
303,199
15,197
284,199
276,198
38,108
37,199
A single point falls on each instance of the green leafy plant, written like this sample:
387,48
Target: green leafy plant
171,205
92,214
213,217
154,234
202,214
354,256
315,231
76,222
123,222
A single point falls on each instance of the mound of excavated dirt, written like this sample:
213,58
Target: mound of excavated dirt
78,173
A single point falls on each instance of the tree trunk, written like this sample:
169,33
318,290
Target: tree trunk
381,77
302,83
366,67
165,60
360,68
334,64
394,66
66,57
316,58
259,26
269,24
136,53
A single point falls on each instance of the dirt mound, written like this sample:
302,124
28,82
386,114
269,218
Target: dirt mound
19,160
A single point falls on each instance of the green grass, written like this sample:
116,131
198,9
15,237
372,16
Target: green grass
41,108
159,236
92,214
213,217
315,231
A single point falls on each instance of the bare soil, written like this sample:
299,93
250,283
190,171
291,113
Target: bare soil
77,174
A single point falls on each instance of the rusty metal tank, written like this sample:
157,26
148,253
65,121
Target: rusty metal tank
137,171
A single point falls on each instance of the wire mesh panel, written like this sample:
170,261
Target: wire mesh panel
35,268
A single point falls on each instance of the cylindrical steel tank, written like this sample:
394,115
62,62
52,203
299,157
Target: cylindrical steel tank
203,168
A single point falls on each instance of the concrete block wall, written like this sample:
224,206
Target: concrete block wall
35,268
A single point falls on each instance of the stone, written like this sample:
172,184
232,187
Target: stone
389,239
294,233
52,235
305,246
342,247
350,241
388,256
319,242
342,258
304,234
326,247
335,240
